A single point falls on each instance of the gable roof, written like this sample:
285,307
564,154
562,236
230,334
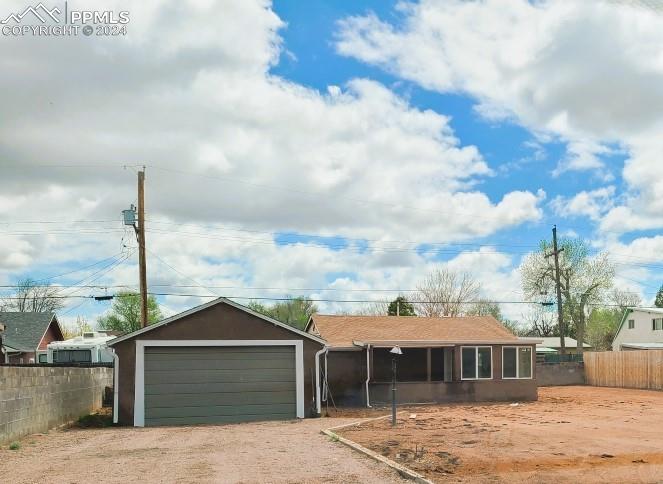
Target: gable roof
24,331
553,342
221,300
348,331
630,310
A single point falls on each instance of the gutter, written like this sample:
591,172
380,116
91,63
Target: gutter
116,390
318,403
368,374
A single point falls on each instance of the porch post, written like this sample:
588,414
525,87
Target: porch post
428,363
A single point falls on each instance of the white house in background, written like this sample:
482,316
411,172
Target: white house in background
640,329
89,348
552,344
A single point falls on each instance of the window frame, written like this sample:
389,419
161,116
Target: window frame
531,362
653,324
476,363
631,324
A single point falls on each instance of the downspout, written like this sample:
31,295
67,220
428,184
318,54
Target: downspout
368,374
116,390
318,403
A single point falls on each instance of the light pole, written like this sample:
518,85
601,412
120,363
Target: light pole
395,351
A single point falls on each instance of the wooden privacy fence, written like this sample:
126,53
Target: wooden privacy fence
626,369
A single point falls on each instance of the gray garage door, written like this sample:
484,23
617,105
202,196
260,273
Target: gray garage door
190,385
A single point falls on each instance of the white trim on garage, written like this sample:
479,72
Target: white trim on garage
210,304
139,390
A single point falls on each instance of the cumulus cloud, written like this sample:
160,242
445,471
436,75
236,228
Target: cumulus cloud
228,146
588,73
592,204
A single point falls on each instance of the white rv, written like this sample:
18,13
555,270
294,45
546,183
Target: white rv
89,348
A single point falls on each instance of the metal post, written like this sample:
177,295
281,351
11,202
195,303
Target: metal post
393,392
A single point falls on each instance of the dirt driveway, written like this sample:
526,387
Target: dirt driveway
283,452
572,434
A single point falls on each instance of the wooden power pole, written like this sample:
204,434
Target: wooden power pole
560,313
140,232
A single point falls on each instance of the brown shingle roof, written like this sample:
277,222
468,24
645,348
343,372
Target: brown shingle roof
343,331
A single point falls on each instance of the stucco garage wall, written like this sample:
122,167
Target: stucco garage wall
218,322
35,399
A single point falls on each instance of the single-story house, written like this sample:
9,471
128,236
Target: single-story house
218,362
553,345
27,335
446,359
640,329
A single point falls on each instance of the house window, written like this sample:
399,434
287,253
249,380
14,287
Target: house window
476,362
72,356
516,362
631,323
43,358
657,324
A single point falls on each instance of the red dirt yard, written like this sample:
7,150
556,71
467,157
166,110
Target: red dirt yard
571,434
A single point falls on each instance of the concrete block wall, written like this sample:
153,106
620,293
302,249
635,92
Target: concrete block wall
565,373
35,399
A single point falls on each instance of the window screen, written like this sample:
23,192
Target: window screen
525,362
485,368
72,356
469,356
509,363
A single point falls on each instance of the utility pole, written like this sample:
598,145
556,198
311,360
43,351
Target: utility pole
140,234
560,313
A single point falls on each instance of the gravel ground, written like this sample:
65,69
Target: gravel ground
571,434
278,452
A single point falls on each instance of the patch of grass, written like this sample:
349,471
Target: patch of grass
333,438
94,420
14,446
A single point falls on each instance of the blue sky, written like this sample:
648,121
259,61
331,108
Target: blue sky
453,127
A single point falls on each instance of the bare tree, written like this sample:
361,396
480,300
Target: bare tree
583,280
539,322
446,293
624,299
32,297
377,308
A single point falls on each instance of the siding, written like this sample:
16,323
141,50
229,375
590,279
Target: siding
185,385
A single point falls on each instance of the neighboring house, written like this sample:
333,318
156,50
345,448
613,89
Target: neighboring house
90,347
447,359
27,336
640,329
218,362
552,345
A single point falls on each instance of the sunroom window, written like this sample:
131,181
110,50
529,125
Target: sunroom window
517,362
476,362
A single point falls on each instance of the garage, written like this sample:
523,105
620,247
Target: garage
195,385
216,363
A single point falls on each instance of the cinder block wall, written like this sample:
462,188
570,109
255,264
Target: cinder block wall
552,374
35,399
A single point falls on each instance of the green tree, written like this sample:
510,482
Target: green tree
401,307
659,298
294,312
602,326
124,314
603,322
583,280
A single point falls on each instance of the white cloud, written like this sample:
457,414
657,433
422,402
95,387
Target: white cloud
592,204
189,90
589,73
